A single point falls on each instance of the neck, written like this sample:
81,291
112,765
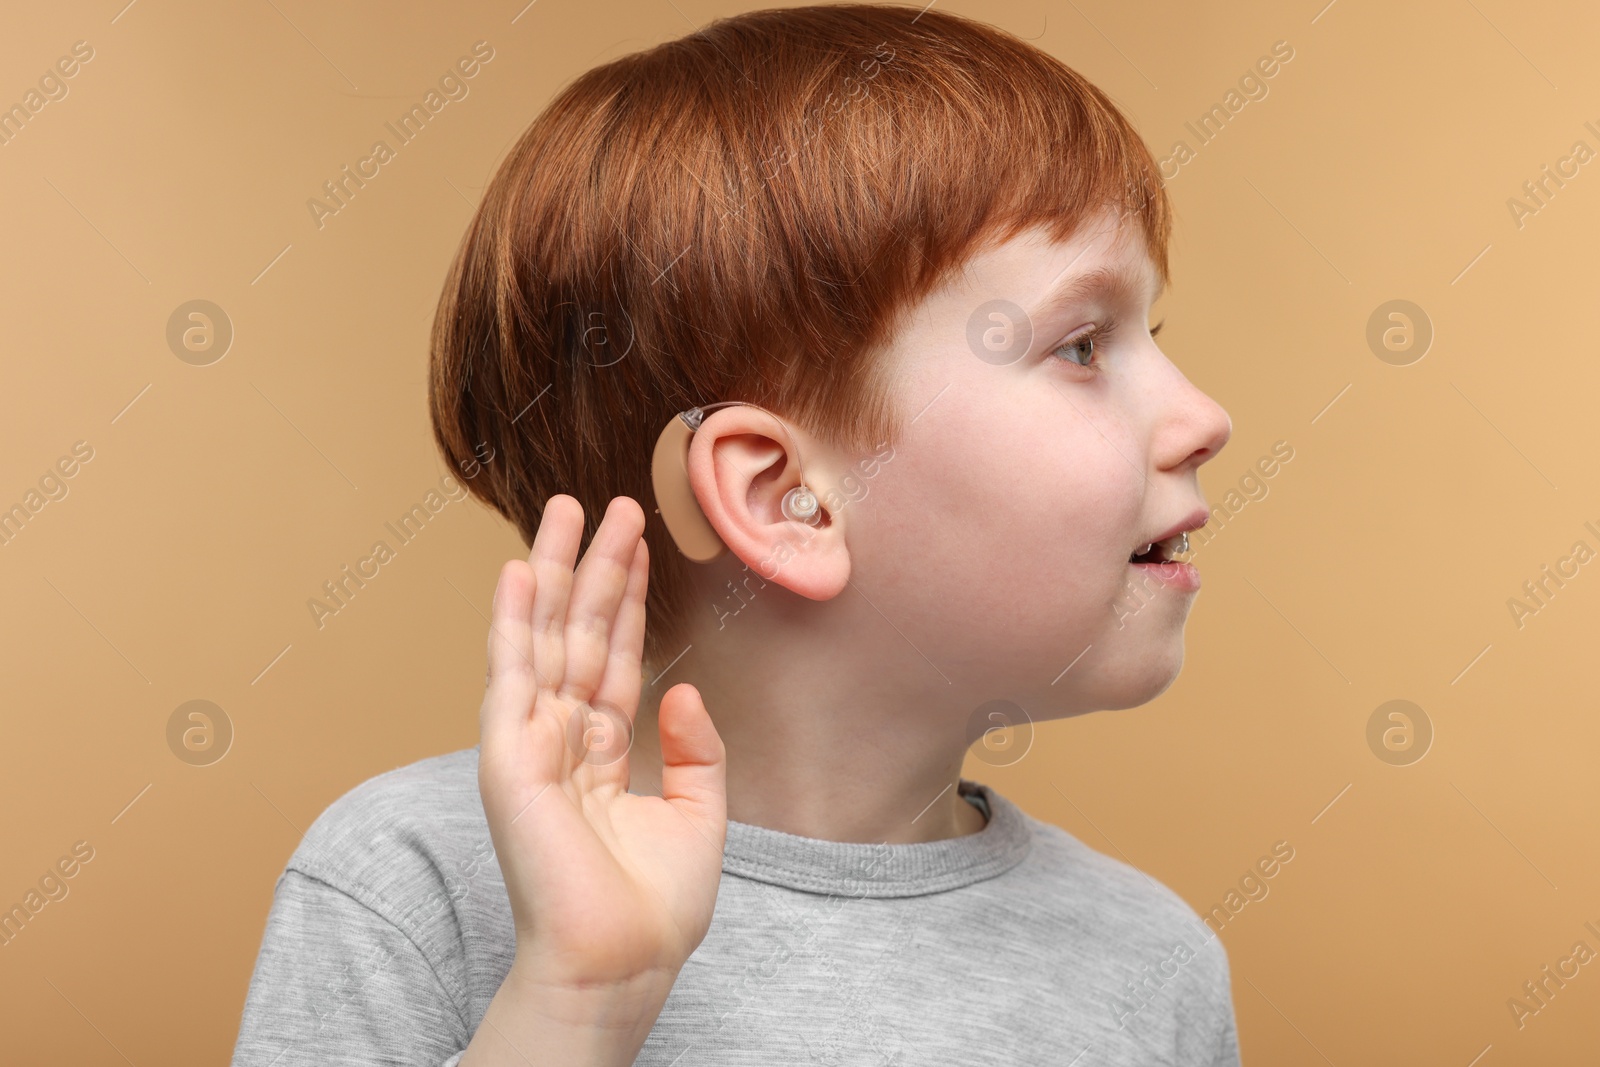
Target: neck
821,768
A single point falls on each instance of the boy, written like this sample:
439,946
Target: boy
922,253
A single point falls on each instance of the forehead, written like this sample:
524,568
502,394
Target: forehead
1107,250
1105,256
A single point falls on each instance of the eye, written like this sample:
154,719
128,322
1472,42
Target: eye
1083,344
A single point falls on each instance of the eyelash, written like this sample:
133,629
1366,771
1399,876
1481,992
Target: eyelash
1095,334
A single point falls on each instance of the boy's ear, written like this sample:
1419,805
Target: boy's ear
741,462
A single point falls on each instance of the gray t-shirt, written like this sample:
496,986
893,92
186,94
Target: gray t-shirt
390,932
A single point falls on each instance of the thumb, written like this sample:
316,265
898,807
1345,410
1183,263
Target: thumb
693,760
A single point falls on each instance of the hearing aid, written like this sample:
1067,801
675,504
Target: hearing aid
675,499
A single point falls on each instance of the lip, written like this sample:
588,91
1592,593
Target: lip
1196,519
1182,576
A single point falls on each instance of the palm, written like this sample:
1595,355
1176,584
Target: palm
604,886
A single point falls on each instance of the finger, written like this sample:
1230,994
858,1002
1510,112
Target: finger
622,681
693,762
597,592
512,683
555,550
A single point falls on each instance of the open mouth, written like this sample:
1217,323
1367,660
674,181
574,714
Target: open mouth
1166,551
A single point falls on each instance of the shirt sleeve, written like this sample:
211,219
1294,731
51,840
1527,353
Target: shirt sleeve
337,982
1228,1037
1228,1042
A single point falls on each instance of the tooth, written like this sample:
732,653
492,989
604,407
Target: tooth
1145,549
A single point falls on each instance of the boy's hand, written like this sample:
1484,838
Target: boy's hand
608,890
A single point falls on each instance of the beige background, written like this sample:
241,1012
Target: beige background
1378,566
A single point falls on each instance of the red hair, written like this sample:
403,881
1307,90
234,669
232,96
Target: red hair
747,213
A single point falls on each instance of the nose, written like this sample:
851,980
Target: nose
1196,427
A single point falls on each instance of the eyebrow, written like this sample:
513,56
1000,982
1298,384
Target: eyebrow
1115,281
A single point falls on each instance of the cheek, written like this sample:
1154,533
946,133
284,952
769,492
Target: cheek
1090,488
1101,502
1002,534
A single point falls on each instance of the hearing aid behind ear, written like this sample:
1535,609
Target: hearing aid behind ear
675,500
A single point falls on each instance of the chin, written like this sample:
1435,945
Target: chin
1113,687
1128,685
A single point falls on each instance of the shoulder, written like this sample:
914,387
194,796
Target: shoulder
1133,918
1108,941
411,843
